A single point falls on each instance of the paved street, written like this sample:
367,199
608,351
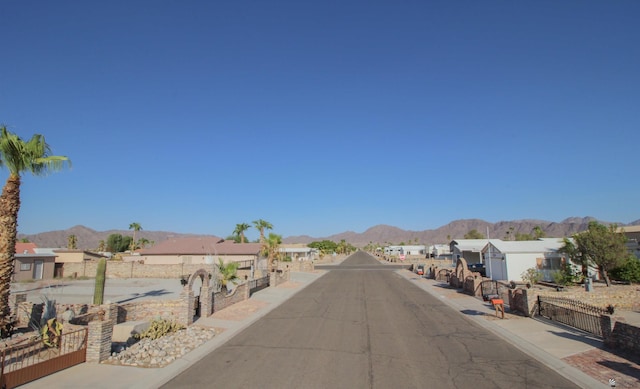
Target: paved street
364,326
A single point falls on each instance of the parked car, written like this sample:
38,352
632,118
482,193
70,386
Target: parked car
420,270
478,267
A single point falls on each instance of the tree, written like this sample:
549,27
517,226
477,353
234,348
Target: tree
117,243
19,157
227,271
572,252
101,245
142,243
602,246
240,229
538,232
262,225
72,242
135,227
271,249
473,234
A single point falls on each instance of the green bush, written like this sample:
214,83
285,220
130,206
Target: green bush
566,276
629,271
158,329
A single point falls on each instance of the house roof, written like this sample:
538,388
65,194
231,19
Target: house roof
25,248
528,246
202,246
472,244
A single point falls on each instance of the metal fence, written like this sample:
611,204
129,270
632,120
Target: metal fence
258,284
34,358
573,313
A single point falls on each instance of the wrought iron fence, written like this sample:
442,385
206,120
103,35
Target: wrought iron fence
258,284
573,313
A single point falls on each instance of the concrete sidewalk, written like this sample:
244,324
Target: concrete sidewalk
106,376
544,341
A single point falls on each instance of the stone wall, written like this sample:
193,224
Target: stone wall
150,309
624,337
118,269
299,266
625,299
222,300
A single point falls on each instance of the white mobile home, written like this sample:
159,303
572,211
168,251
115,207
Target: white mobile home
509,259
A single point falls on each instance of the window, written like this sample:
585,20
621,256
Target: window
25,266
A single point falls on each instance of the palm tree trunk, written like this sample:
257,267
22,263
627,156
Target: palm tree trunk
9,206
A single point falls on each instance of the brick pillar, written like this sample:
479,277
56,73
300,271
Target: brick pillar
246,291
273,279
188,302
111,312
206,301
99,340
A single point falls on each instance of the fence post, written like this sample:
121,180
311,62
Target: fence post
539,307
99,339
605,325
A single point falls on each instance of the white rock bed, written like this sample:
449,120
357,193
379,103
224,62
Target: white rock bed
161,352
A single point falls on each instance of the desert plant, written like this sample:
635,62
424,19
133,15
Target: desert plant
98,292
227,271
159,328
531,276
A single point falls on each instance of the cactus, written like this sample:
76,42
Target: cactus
159,328
98,292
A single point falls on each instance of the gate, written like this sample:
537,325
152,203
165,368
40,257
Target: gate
573,313
35,359
258,284
494,289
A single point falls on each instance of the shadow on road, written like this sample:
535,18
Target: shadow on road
151,293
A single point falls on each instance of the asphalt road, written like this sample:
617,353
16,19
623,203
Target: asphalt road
367,328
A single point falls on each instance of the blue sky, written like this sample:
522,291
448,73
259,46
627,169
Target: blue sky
326,116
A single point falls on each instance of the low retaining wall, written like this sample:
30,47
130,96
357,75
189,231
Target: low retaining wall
118,269
624,337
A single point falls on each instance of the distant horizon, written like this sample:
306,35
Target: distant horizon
249,234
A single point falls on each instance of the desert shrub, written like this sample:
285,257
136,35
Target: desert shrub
531,276
159,328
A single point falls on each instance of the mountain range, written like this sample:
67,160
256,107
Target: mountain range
88,239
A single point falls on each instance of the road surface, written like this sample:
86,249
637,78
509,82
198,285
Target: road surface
364,326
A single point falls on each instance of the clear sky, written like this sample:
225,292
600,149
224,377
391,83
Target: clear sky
324,116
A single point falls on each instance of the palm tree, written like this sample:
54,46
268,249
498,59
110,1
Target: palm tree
240,229
142,243
18,157
227,271
135,227
262,225
101,245
72,242
271,249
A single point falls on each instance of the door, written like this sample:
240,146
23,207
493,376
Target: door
38,270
